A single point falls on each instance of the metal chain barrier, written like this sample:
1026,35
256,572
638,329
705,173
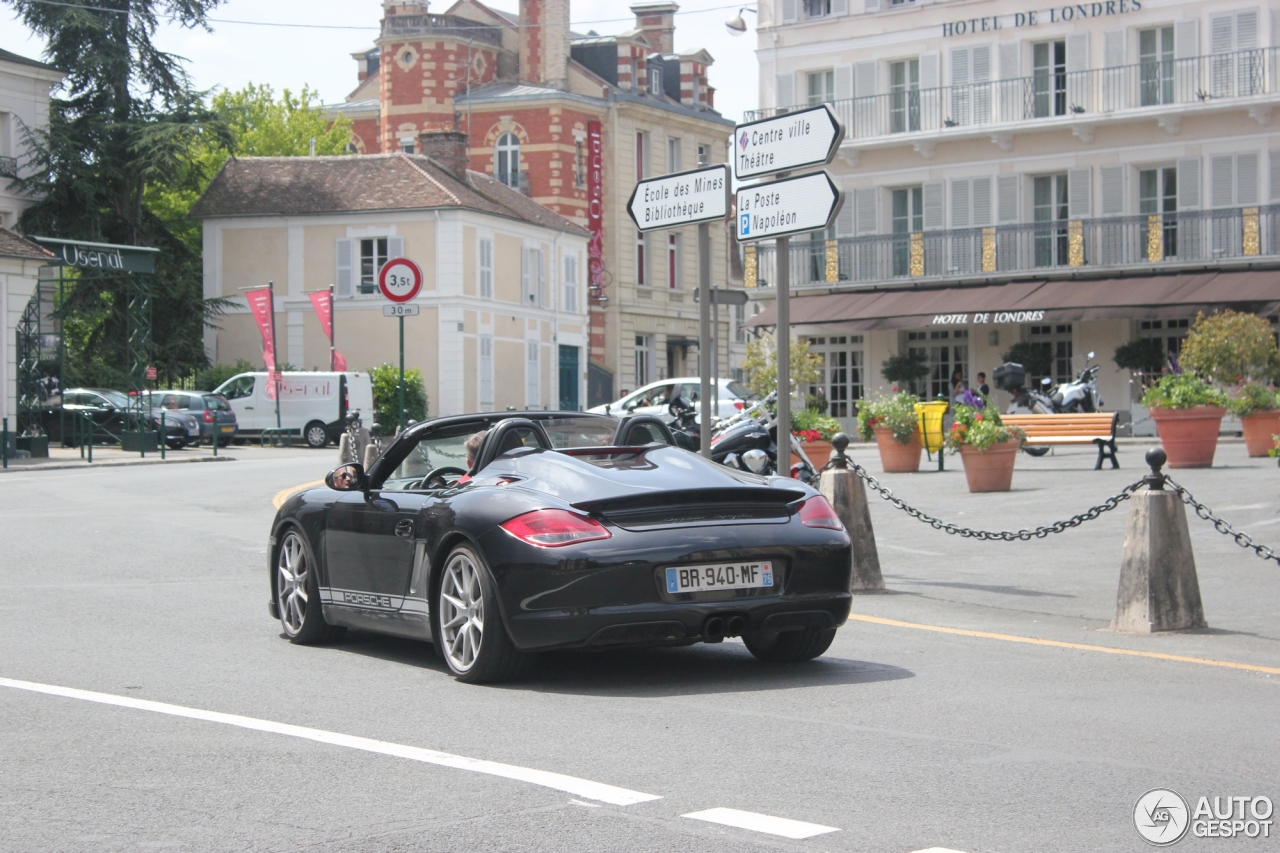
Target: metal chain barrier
1244,540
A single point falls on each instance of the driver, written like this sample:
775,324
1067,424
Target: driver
473,450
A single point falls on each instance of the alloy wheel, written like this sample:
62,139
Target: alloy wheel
461,612
292,576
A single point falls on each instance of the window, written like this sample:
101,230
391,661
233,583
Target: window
673,261
1055,340
946,353
532,393
822,87
655,79
1171,333
1049,81
674,159
486,268
908,219
817,8
739,321
642,259
818,253
1236,66
533,278
642,156
506,160
644,359
704,155
579,165
486,370
1050,215
407,146
1158,194
904,96
840,374
1155,71
373,254
571,284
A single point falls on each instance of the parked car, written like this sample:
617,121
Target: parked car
212,411
111,412
566,530
654,398
313,405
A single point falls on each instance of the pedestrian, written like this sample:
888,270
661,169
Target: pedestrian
958,385
983,388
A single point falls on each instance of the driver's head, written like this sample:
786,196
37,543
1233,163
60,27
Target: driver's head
473,447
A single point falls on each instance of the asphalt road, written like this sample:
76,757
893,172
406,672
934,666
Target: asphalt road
149,585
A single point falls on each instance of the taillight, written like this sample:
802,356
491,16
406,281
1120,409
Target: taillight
208,416
816,512
553,528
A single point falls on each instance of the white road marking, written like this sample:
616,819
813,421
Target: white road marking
569,784
796,829
938,850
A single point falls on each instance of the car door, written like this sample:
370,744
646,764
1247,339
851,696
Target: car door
369,547
241,394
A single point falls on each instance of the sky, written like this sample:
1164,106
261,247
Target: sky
293,56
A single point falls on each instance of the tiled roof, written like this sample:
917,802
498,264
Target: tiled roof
15,246
7,56
301,186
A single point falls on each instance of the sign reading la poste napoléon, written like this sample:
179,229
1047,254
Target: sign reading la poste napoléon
788,206
701,195
786,142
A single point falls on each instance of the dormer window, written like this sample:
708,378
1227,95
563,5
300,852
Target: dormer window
655,80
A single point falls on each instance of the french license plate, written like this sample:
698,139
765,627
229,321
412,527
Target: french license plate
726,576
228,429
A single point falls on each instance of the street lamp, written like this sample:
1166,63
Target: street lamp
737,25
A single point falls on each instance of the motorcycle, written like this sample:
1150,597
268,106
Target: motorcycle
747,441
1078,396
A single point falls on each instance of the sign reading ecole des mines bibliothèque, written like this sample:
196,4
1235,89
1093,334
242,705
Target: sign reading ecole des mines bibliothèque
701,195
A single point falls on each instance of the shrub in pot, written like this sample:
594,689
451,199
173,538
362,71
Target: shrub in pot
815,431
986,445
1187,412
1258,408
893,423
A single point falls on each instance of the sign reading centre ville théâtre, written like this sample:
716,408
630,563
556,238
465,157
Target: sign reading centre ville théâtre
787,142
681,199
788,206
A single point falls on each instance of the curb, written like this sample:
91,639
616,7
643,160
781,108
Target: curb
86,466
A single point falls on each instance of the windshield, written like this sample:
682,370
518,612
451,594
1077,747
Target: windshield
216,403
579,432
446,448
115,398
742,392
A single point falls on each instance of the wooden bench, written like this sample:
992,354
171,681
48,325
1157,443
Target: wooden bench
1077,428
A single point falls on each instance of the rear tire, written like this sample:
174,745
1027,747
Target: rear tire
316,435
790,646
469,632
1036,451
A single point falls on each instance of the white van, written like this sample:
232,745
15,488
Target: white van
313,405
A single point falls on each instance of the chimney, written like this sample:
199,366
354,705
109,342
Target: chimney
544,42
404,7
448,148
658,22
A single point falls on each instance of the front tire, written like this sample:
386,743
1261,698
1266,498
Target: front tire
789,646
1036,451
298,593
180,444
469,632
316,434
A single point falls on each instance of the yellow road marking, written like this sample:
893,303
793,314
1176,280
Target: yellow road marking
1013,638
285,494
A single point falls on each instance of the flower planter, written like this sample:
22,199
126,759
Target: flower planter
1258,429
990,470
1189,436
819,453
897,458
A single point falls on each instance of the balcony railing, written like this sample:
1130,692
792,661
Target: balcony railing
1051,94
401,26
1169,240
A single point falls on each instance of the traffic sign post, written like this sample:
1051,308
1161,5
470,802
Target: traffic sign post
786,207
700,196
786,143
400,280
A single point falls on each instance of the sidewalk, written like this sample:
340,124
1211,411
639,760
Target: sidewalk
62,458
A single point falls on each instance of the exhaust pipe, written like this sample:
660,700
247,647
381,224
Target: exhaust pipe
736,626
713,630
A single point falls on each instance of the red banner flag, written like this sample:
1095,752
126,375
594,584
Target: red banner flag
262,309
322,301
339,363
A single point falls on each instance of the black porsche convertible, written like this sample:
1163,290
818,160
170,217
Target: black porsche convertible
566,530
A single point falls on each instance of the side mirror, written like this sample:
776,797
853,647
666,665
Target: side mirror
346,478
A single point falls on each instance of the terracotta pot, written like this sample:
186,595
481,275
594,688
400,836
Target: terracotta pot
819,453
898,458
990,470
1189,436
1258,429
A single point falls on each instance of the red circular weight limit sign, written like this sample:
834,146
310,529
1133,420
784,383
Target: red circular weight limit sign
400,279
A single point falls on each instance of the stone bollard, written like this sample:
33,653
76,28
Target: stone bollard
1159,590
847,495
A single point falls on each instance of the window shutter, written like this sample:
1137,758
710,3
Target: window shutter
1247,30
486,369
1186,38
1112,190
934,213
960,67
864,79
1247,179
960,203
981,67
1221,33
1077,52
1007,198
786,91
790,11
342,278
540,271
845,218
1079,203
1189,183
871,6
532,396
844,82
1221,181
981,192
839,7
1010,60
865,204
1114,47
960,109
981,71
1275,176
930,70
526,288
395,247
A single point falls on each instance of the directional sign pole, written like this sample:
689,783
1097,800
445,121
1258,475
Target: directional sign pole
782,337
704,335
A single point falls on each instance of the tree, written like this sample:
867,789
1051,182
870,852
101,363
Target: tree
761,366
386,395
1036,359
1231,348
905,369
125,121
